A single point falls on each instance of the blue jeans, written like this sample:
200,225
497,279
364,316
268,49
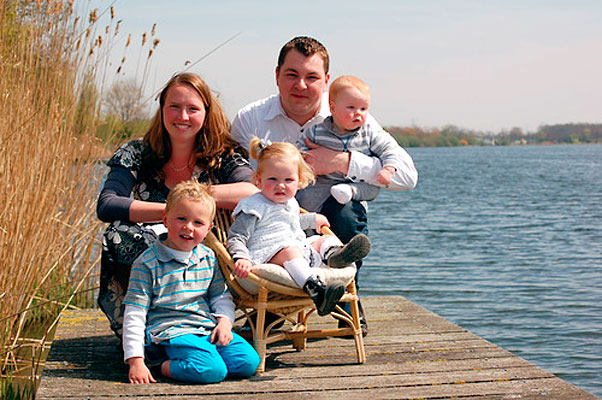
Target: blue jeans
346,221
195,359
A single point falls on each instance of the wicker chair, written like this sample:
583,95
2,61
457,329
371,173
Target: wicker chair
269,288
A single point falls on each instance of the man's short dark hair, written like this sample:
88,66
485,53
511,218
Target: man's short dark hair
307,46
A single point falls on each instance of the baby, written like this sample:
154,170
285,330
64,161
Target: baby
346,130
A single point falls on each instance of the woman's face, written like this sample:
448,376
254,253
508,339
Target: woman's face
183,113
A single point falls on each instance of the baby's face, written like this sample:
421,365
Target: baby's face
187,222
349,109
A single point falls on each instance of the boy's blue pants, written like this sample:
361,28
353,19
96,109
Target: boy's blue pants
195,359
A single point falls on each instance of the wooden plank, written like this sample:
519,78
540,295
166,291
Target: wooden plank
411,353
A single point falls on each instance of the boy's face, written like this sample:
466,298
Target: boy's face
349,109
279,180
187,224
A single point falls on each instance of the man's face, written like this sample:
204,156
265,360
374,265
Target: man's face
301,81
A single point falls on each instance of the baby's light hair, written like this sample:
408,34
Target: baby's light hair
194,191
344,82
284,151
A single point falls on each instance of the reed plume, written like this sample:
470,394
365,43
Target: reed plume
49,170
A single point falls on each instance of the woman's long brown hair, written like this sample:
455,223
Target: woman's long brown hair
211,142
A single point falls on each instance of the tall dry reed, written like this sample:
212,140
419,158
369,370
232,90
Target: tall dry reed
50,57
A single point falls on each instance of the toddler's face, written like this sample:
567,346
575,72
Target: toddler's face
187,223
349,109
279,179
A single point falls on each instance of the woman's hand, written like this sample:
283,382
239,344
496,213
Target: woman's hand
139,373
242,267
321,221
222,333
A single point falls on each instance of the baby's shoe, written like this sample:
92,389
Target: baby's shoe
324,297
356,249
342,192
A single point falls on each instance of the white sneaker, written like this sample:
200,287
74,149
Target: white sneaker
343,193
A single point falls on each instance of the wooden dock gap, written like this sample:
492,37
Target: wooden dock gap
411,353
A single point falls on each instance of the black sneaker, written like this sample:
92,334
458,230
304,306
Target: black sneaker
356,249
324,297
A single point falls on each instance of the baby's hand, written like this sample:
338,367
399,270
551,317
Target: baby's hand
321,221
385,175
242,267
139,373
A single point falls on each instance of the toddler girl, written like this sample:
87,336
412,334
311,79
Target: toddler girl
268,227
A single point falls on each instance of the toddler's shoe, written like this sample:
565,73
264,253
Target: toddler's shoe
356,249
324,297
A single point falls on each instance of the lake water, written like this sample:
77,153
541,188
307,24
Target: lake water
507,243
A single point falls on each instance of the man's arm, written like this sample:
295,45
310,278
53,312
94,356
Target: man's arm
359,167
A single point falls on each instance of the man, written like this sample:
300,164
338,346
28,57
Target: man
302,78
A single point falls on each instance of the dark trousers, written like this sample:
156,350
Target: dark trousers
346,221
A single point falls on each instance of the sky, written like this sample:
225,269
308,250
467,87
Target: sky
484,65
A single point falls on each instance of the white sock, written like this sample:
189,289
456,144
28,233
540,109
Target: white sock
343,193
330,242
299,270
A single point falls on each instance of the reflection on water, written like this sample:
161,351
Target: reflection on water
506,242
29,357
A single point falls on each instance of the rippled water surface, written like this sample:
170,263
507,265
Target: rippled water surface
507,243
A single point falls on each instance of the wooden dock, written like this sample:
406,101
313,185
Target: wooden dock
411,353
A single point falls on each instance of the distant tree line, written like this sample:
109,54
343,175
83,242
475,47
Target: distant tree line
124,116
451,135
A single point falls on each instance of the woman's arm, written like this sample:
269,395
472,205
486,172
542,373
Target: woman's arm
146,211
228,195
234,176
115,202
114,199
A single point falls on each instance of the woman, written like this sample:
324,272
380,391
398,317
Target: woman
188,139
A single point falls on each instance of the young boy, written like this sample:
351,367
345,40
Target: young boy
346,130
177,298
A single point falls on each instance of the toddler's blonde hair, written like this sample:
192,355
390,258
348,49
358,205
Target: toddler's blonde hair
284,151
194,191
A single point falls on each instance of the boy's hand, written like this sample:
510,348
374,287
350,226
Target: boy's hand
222,333
321,221
139,373
385,175
242,267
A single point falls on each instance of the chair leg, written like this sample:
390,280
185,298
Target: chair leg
357,329
299,343
259,335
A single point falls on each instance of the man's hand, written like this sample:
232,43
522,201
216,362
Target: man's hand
324,160
222,333
385,175
139,373
242,267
